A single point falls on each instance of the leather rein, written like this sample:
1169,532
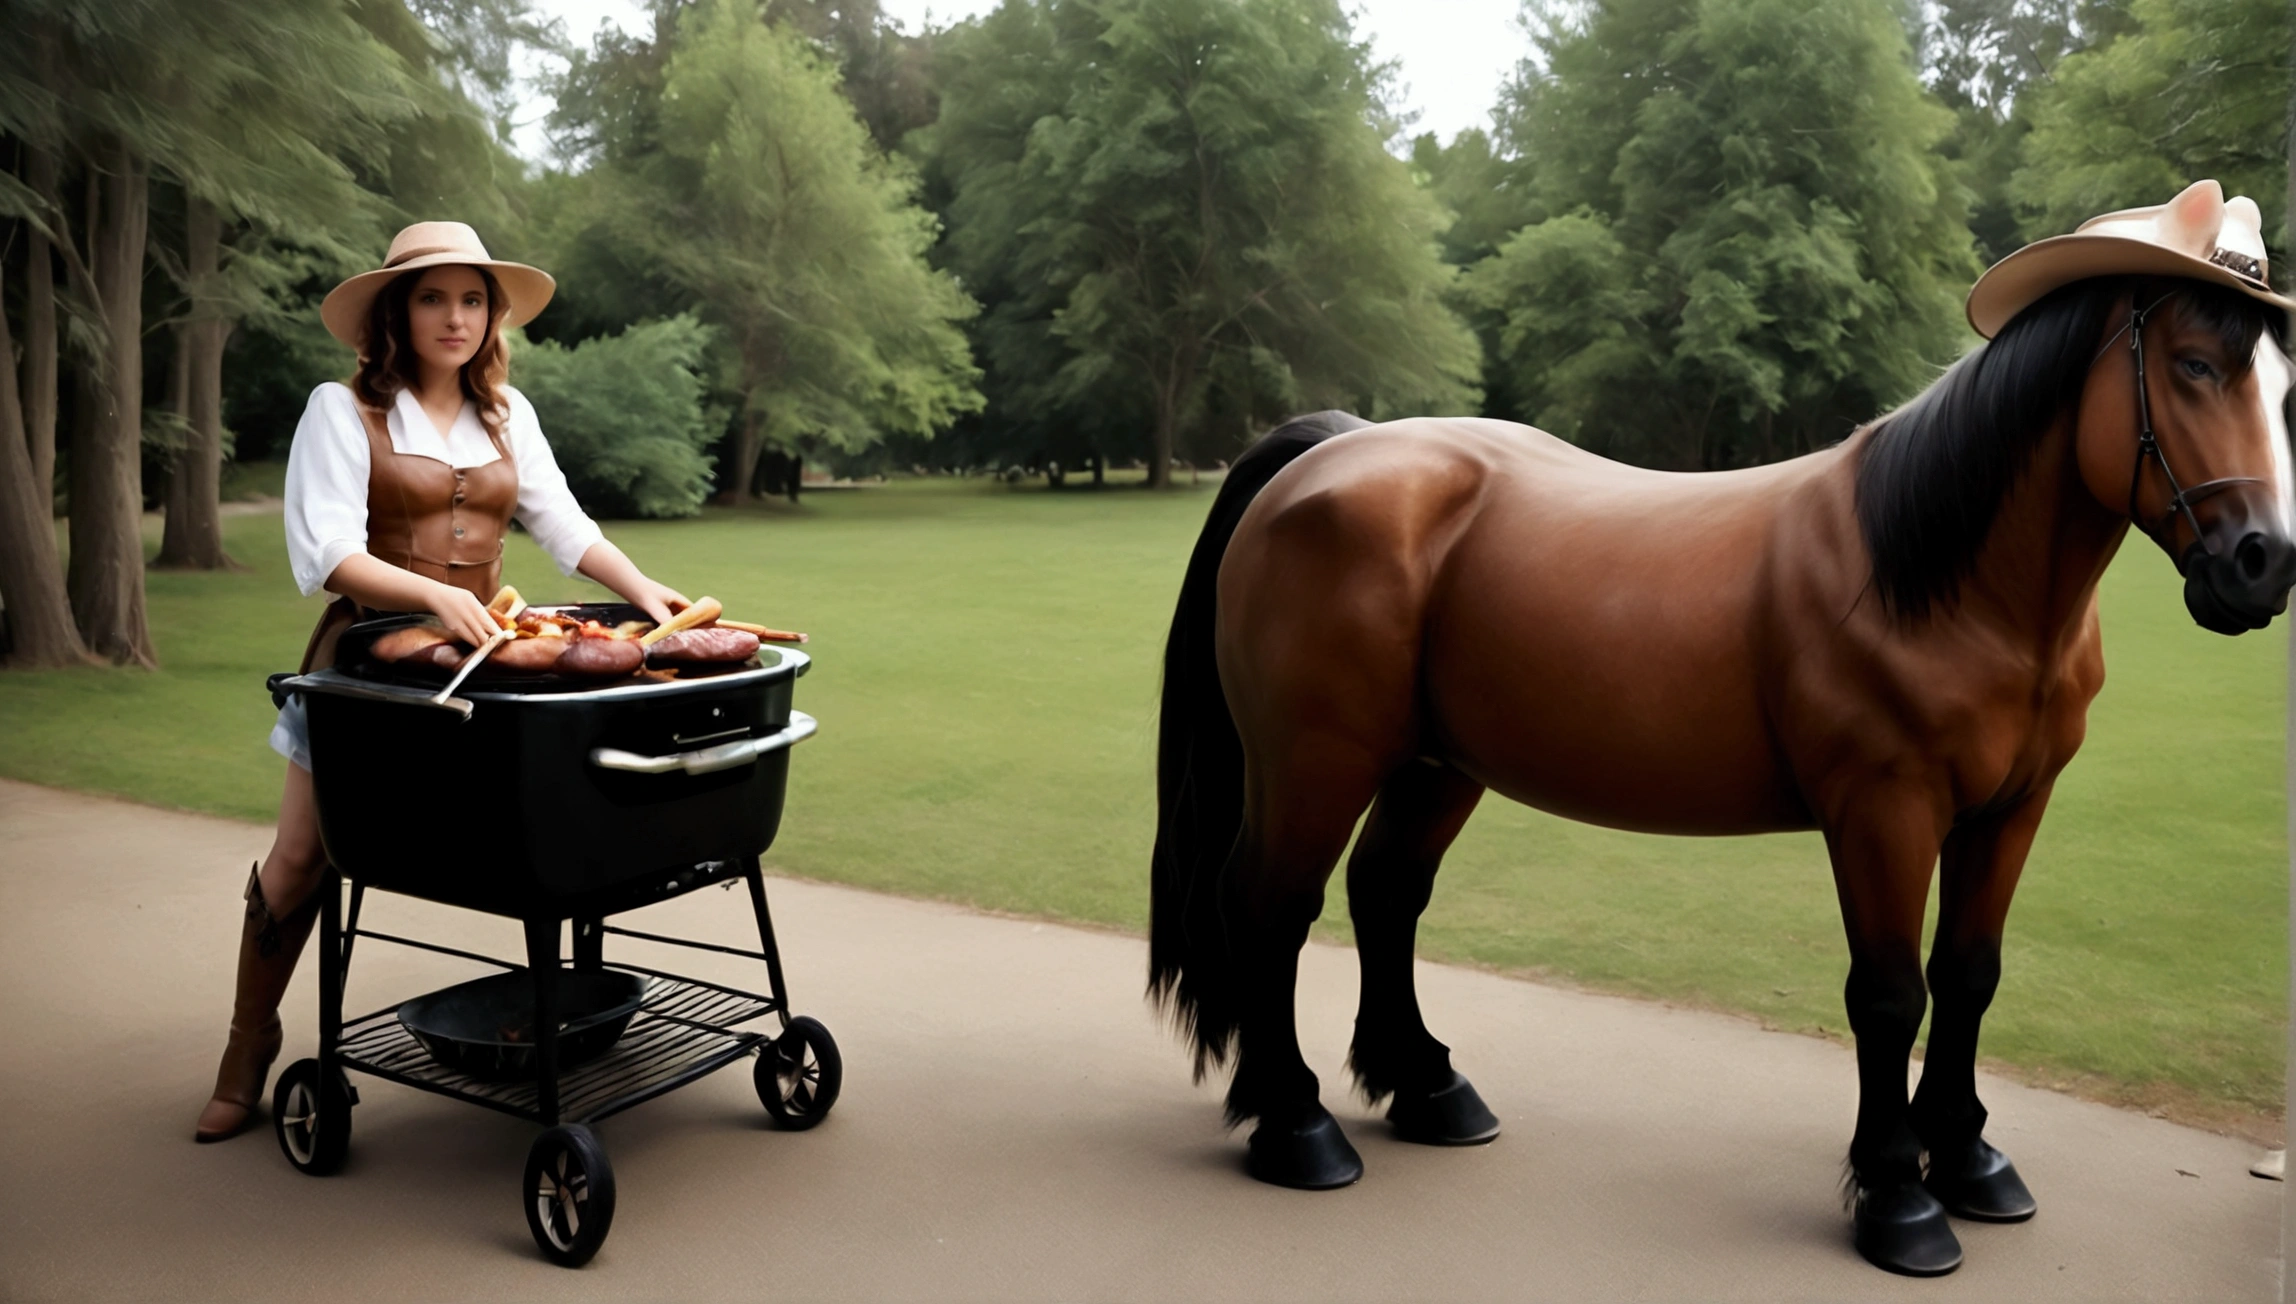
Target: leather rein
2148,449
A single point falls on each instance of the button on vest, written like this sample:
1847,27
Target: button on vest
446,523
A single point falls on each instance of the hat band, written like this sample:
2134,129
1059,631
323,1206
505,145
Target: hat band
2240,265
426,251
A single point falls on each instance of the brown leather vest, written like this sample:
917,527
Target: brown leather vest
441,522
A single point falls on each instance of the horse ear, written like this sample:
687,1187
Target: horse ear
2189,222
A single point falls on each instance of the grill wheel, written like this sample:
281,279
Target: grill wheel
799,1074
311,1113
569,1194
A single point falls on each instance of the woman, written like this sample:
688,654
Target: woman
400,488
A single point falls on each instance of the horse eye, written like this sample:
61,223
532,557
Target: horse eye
2197,369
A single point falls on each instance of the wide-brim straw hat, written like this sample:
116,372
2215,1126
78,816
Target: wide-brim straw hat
432,244
2199,234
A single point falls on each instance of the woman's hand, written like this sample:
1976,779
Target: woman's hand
606,564
659,600
464,616
372,582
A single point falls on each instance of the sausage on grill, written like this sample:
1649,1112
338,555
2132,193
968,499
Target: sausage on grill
605,658
527,656
400,644
709,644
446,656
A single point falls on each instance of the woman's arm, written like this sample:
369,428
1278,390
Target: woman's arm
373,582
609,566
547,507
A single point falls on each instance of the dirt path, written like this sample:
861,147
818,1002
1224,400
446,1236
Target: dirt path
1014,1127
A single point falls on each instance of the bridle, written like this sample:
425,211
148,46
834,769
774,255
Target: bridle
2181,499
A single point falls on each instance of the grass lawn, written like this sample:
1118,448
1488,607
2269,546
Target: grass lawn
986,671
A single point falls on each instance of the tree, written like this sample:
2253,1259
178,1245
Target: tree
1747,244
39,611
2193,88
254,122
1981,58
1483,188
1184,208
735,166
887,73
292,101
628,416
79,86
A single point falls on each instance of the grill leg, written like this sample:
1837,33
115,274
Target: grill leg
589,944
542,962
765,940
351,925
334,967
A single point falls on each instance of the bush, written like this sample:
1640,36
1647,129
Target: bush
625,415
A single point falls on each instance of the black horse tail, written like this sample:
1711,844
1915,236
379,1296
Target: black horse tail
1200,767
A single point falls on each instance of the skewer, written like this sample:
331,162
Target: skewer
486,649
770,635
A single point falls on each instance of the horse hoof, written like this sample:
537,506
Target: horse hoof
1451,1115
1306,1153
1981,1184
1902,1228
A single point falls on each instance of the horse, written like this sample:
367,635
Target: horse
1893,641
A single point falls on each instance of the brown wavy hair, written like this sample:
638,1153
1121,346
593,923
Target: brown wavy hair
388,363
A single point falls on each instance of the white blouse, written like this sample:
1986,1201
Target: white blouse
328,465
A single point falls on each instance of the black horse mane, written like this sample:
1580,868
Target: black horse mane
1934,473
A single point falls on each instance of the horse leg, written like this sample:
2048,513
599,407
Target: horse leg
1420,809
1296,822
1882,860
1979,875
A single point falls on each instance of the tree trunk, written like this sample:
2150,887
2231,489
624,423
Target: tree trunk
40,630
106,578
38,393
1099,470
1162,439
796,473
735,492
193,539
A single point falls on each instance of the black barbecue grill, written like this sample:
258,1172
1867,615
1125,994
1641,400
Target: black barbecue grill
596,798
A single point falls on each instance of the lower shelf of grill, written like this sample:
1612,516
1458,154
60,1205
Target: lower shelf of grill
685,1029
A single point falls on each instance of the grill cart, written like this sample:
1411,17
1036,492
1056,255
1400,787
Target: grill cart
546,801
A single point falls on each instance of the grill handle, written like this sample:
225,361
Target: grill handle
282,686
709,760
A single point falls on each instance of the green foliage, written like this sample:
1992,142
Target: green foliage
1484,189
736,169
1747,242
1182,212
626,416
1982,59
887,73
1566,299
2195,88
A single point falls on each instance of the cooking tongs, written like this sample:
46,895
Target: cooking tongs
485,650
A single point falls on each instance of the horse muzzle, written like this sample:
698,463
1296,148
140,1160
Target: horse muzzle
2240,588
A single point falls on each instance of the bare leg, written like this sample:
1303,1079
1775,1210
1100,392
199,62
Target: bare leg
297,857
276,923
1420,810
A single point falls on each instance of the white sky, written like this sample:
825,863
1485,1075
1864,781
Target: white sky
1453,54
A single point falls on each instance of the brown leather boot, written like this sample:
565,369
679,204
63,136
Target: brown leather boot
268,949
